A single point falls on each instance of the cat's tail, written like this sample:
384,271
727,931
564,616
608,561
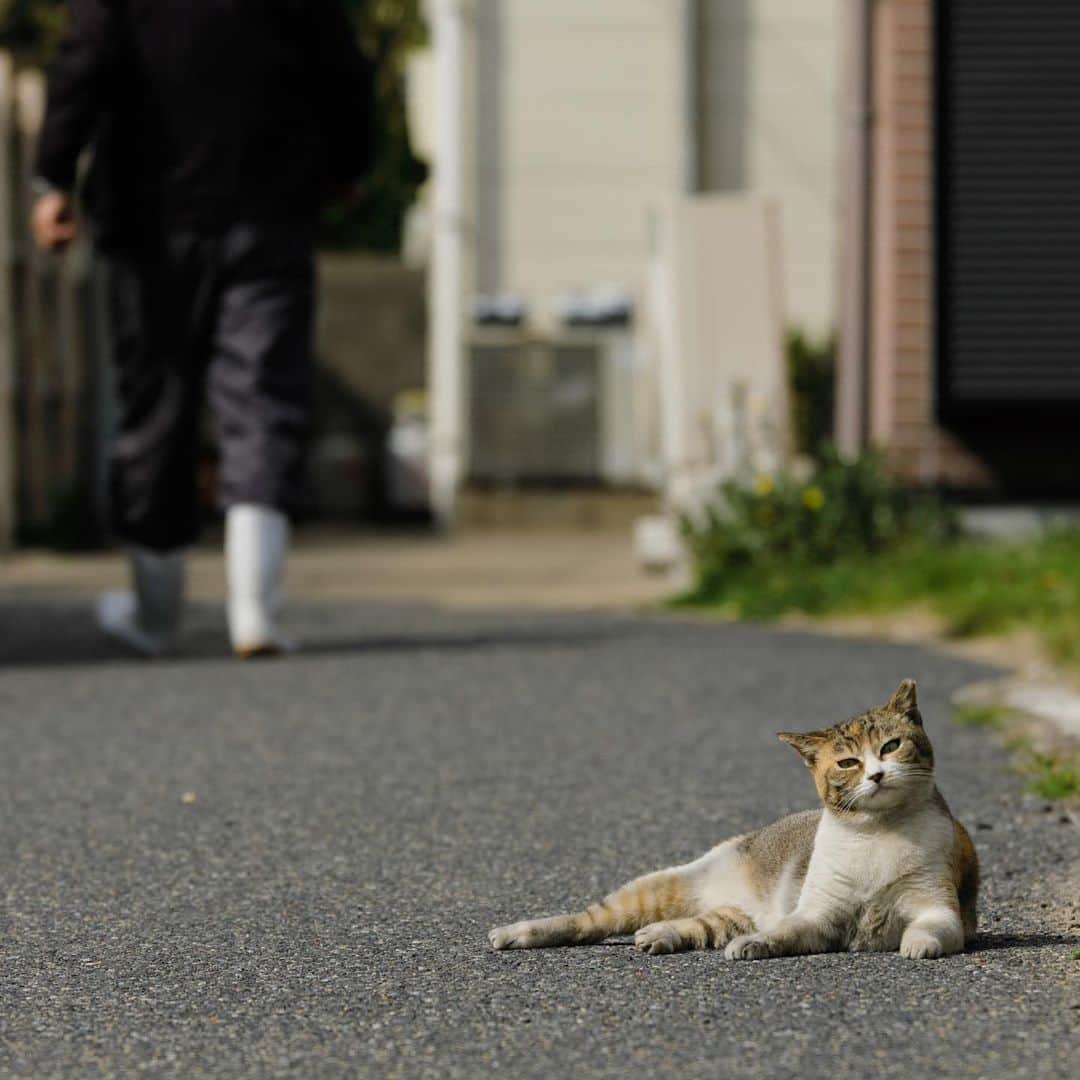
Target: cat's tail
965,869
653,898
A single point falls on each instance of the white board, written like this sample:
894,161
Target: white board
717,321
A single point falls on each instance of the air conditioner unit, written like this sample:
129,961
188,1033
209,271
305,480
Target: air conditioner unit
552,410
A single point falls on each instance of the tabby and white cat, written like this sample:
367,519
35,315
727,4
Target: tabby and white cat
883,866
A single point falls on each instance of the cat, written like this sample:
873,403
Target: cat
883,865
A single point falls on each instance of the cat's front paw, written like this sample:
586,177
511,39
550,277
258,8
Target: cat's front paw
920,945
748,947
657,939
515,936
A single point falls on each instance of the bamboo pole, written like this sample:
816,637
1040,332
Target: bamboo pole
37,390
70,361
8,431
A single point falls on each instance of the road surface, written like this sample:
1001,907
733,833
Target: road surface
289,869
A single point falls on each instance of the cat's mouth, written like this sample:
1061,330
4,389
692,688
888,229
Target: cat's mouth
883,795
875,793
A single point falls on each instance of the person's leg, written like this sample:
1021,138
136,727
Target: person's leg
153,499
260,390
148,616
256,545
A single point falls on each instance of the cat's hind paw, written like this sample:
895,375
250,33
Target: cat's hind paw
748,947
658,939
921,945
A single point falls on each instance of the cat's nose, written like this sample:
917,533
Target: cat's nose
877,777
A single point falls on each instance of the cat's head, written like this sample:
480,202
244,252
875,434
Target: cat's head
875,761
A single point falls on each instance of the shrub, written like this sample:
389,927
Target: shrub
842,509
812,375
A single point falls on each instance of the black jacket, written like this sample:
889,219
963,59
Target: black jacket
206,112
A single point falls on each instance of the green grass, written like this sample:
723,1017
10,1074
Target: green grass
1054,777
978,588
978,715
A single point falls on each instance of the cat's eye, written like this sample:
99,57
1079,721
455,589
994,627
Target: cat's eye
890,746
848,762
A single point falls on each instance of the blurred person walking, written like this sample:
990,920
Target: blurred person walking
219,128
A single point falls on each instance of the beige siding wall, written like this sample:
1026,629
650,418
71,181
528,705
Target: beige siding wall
902,372
771,72
578,133
581,128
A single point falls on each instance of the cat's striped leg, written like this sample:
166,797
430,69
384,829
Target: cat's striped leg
709,930
649,899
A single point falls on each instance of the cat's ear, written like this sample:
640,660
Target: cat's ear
807,743
904,702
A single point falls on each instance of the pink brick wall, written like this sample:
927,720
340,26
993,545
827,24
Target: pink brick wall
901,364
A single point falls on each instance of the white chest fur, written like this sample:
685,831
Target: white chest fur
853,861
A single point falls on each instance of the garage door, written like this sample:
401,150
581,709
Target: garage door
1008,186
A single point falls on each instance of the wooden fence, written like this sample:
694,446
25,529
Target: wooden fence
52,402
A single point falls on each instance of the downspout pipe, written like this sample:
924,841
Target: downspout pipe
690,47
853,360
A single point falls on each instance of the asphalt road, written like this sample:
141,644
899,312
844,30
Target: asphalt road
289,869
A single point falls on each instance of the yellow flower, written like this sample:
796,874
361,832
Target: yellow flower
813,498
763,485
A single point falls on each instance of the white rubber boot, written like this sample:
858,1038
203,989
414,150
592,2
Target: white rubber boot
148,617
256,543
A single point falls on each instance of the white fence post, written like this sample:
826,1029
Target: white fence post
454,41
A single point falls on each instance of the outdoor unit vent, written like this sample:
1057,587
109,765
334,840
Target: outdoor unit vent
550,410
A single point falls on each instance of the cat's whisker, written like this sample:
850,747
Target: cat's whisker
848,801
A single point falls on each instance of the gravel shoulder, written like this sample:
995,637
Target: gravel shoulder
288,869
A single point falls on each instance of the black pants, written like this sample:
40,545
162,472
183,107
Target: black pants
231,315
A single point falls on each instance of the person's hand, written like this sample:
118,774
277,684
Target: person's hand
53,221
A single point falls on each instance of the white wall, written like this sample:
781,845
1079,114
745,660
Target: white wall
578,135
580,131
771,82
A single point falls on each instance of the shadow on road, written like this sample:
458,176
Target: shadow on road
511,638
992,942
46,635
983,942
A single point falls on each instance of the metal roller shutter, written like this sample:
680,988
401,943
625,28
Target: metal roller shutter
1008,200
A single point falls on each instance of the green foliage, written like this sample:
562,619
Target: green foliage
781,523
31,28
812,376
849,538
388,31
